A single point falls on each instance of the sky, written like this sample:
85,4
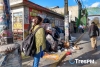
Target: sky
60,3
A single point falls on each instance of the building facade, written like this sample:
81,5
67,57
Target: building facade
73,14
73,11
23,11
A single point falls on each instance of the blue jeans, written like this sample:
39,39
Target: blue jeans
37,58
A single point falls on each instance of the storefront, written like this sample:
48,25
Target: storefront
17,23
22,13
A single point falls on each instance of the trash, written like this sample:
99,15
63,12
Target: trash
72,50
51,56
62,49
68,53
65,50
73,38
59,50
53,52
76,47
58,47
62,35
64,63
66,44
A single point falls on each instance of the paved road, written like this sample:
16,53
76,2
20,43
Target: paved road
85,54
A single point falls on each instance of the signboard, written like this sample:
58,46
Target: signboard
18,26
33,12
93,11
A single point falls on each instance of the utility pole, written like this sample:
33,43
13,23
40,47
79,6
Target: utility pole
10,54
5,22
79,13
66,21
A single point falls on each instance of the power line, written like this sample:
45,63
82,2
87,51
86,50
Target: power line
83,4
76,1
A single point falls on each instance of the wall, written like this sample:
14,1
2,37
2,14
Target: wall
95,19
13,2
59,22
73,9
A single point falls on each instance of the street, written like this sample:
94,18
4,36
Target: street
62,26
86,57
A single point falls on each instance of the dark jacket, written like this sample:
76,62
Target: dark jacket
93,31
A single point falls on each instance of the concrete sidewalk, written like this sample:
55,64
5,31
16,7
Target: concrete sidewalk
84,54
78,36
52,62
49,62
44,62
